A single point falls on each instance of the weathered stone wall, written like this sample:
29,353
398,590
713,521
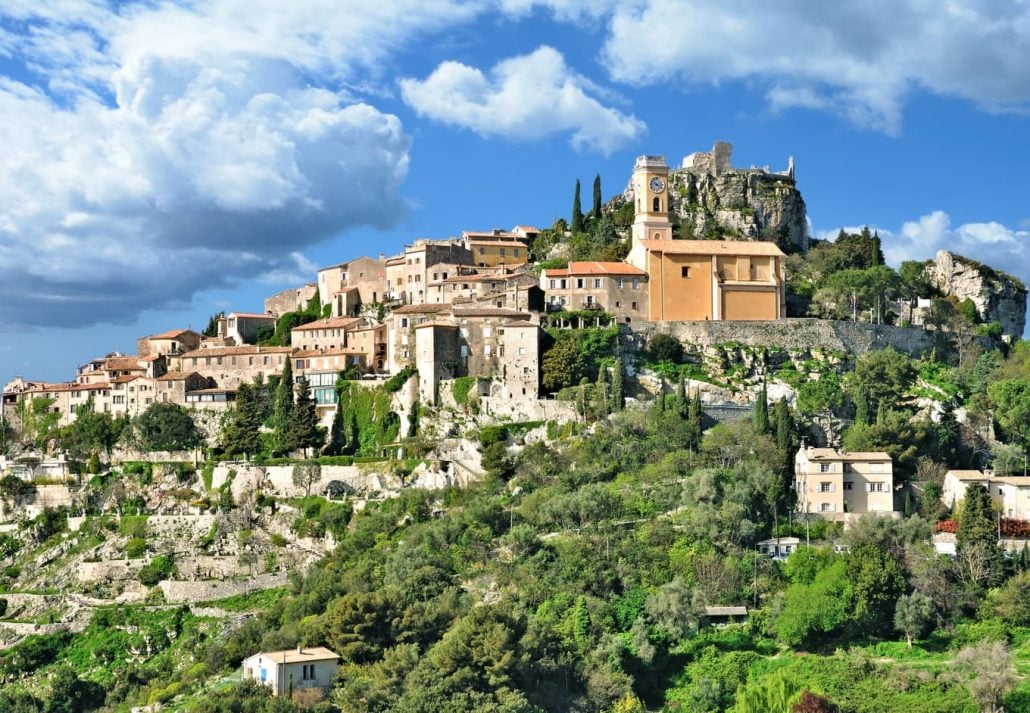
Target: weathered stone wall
528,409
176,592
791,334
997,296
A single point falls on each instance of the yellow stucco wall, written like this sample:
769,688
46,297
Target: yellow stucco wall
675,297
748,303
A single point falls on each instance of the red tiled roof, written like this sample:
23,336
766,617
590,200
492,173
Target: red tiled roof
177,376
714,247
593,267
245,349
490,312
336,351
252,315
172,334
422,309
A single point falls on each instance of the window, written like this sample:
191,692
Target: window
597,283
482,251
554,283
563,284
684,272
515,252
826,488
617,304
825,467
636,283
618,282
504,252
848,485
656,204
590,299
464,351
579,283
825,507
486,350
633,305
404,321
308,672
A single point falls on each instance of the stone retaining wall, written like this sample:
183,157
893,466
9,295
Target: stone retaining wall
176,592
791,334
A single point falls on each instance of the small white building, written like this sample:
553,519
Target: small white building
779,548
293,669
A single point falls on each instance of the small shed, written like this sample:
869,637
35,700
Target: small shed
721,616
293,669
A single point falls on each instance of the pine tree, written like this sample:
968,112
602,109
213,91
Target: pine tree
304,431
282,410
578,223
618,389
241,432
597,198
761,413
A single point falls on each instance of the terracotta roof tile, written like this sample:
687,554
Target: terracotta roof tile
714,247
330,323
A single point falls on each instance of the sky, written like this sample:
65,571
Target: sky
162,161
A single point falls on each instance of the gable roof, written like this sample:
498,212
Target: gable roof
307,655
594,267
329,323
172,334
831,454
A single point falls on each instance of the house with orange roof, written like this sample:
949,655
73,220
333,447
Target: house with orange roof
174,341
615,287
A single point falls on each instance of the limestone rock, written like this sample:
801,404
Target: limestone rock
711,199
998,297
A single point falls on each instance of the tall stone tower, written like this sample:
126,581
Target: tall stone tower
651,203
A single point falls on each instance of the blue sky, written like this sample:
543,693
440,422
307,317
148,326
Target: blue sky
163,161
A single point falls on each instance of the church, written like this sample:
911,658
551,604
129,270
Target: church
699,279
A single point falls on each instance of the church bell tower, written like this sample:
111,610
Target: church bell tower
651,206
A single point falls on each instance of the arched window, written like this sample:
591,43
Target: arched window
657,205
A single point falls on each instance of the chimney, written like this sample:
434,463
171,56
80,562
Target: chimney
299,650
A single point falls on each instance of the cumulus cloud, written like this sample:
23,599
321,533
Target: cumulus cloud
155,151
859,60
997,245
525,97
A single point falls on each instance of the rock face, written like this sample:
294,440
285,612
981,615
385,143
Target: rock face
711,199
998,297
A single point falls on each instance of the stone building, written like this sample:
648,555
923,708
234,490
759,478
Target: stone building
239,328
366,275
175,341
328,333
699,279
400,326
293,299
228,367
408,275
834,484
1010,494
616,287
496,247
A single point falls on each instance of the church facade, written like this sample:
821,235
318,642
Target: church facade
699,279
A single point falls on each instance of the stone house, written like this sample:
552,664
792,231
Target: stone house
400,335
370,340
228,367
835,484
496,247
211,399
322,369
175,341
293,669
328,333
110,367
616,287
408,279
239,328
365,274
1010,494
293,299
173,386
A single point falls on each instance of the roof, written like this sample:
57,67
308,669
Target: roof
177,376
520,323
490,312
422,309
525,229
245,349
725,611
123,363
516,242
325,352
491,234
831,454
330,323
781,541
172,334
315,653
126,379
1019,481
396,260
594,267
968,474
713,247
252,315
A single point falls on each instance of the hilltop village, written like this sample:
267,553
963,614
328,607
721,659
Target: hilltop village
623,430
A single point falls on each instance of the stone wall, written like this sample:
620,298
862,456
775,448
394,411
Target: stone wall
176,592
278,479
791,334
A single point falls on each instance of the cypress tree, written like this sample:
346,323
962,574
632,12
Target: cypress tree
861,407
578,225
304,431
618,394
682,402
601,397
241,433
283,409
337,438
694,417
881,412
353,434
977,527
597,197
761,413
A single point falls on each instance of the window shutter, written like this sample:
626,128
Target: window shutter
869,487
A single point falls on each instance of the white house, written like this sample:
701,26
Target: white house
779,547
293,669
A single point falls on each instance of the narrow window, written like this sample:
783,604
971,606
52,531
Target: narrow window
684,272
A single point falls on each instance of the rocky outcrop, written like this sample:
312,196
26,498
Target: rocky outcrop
998,297
711,199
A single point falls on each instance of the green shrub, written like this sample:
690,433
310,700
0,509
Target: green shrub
461,387
132,526
395,382
161,567
135,547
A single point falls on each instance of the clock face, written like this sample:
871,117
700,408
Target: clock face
657,184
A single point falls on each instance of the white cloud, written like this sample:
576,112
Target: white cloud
859,60
992,243
525,97
169,149
294,270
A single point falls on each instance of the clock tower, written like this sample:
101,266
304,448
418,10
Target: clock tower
651,206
